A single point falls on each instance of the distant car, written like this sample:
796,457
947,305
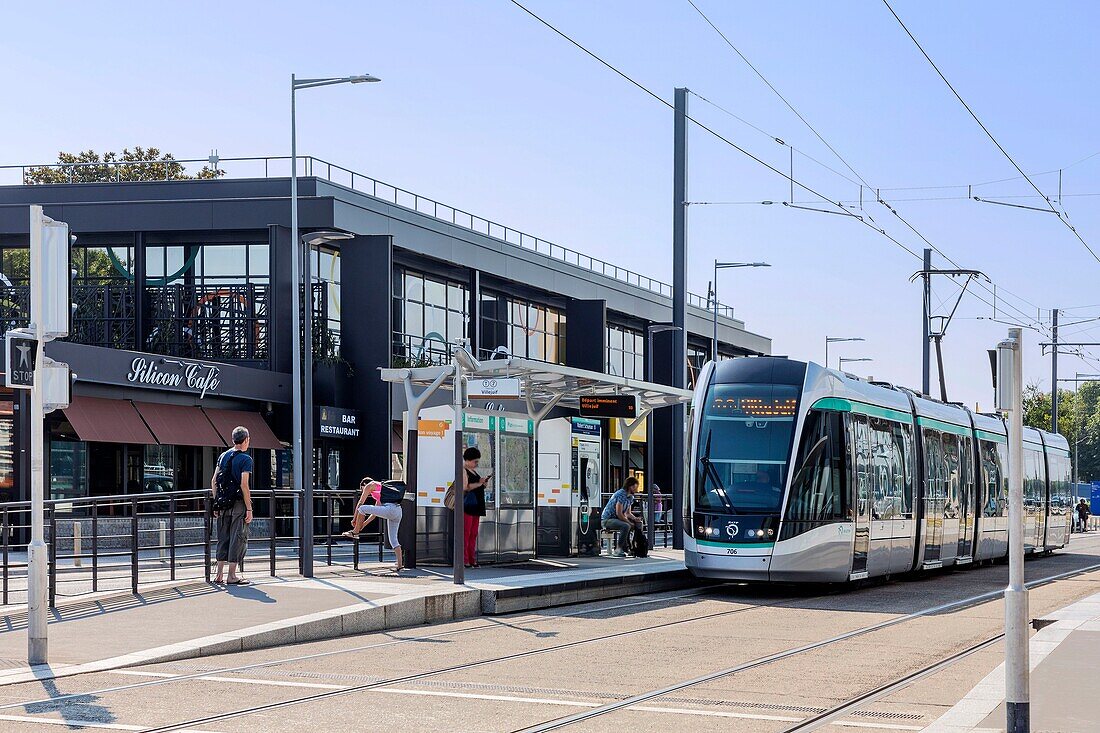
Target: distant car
156,485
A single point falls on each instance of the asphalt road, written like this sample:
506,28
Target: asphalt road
762,659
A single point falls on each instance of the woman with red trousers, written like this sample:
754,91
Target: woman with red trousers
473,503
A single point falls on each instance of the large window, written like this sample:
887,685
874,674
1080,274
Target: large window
528,330
819,485
994,461
325,274
891,458
208,264
743,446
625,352
429,314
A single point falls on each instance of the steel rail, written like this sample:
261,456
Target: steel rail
586,715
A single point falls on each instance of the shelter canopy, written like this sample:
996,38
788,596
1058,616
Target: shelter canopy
546,383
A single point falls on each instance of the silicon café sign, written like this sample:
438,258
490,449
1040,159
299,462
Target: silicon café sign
174,374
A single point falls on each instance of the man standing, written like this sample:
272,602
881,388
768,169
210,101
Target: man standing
235,472
1083,515
617,515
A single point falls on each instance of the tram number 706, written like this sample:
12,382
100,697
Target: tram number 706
731,550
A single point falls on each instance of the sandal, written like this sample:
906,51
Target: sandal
350,535
240,581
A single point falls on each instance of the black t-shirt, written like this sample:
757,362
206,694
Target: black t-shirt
479,493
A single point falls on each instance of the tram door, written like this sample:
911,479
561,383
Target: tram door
935,496
968,500
861,493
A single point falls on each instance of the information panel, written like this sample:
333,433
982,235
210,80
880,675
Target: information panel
609,406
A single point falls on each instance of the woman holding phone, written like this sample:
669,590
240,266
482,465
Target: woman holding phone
473,503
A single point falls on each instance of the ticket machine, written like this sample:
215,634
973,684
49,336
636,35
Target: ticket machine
570,476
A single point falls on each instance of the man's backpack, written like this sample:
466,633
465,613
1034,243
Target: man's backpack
639,543
227,487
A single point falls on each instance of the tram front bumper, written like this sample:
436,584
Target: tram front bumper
727,566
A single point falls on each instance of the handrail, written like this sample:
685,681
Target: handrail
375,188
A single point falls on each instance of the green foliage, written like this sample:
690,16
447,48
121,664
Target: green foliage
139,164
1078,421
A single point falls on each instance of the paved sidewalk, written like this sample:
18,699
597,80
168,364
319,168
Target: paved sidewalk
1064,660
193,619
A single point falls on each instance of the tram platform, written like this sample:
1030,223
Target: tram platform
173,621
1063,676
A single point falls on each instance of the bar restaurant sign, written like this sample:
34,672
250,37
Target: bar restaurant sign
336,422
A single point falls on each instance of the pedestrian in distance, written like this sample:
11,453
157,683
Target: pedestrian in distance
387,507
473,503
619,516
1083,515
231,487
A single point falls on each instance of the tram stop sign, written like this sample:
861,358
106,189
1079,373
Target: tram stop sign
20,353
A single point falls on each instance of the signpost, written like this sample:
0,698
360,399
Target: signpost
50,384
618,405
337,422
493,389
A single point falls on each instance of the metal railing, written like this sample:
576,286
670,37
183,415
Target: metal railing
216,322
262,167
123,541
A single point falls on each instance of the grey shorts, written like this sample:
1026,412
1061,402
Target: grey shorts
232,533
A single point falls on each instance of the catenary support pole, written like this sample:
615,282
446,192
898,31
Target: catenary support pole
459,527
1017,670
1054,372
679,306
926,324
37,647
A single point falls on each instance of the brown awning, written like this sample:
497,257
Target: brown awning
107,421
180,425
225,420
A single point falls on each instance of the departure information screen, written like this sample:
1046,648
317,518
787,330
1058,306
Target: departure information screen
732,406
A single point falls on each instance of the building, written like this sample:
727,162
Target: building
183,312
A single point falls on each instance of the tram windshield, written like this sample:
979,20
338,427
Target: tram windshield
743,447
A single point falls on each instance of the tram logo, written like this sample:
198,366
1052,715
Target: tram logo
732,529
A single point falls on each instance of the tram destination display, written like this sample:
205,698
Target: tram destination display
619,405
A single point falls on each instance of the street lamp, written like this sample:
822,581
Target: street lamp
651,511
306,554
835,340
843,359
725,266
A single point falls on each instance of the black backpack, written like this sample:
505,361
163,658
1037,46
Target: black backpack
639,543
392,492
228,489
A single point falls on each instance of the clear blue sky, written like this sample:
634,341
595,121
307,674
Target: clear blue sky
484,108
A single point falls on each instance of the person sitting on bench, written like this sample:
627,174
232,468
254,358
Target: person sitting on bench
617,515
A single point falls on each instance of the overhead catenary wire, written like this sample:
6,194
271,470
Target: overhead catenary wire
863,181
1061,216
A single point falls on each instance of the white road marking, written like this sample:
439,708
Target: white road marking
85,724
517,699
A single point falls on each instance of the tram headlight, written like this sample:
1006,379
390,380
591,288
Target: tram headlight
771,532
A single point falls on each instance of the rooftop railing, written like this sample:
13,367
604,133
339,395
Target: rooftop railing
279,166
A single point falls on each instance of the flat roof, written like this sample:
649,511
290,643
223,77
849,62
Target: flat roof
543,382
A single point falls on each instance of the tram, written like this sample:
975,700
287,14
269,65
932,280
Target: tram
800,473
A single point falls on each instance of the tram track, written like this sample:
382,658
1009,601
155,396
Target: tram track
832,714
524,618
558,722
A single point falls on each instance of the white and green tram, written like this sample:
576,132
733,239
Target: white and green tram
799,473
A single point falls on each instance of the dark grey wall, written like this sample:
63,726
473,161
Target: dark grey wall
366,273
663,420
586,335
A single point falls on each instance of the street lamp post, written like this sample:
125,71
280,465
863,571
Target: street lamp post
835,340
725,266
844,359
306,532
651,512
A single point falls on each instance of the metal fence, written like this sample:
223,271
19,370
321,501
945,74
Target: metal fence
217,322
279,166
125,541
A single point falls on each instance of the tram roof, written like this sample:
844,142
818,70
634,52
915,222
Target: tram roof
543,382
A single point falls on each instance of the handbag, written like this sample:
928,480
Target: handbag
449,497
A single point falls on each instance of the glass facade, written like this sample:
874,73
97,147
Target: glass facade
625,352
527,329
325,273
429,313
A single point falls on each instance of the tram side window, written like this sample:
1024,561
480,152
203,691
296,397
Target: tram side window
1034,480
819,482
951,465
935,473
903,444
994,479
889,469
1061,494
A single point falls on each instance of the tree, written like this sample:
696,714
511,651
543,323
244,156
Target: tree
139,164
1078,421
